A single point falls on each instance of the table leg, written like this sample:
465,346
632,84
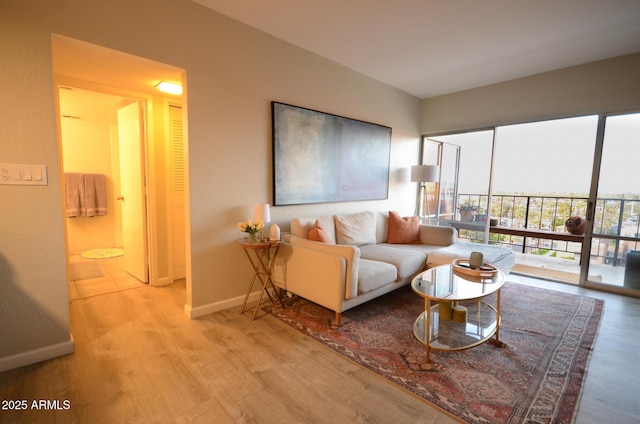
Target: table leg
272,262
427,329
264,287
497,341
262,270
262,265
253,280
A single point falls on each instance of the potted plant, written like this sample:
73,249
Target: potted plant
467,212
575,225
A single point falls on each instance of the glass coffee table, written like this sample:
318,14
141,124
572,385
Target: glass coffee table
462,316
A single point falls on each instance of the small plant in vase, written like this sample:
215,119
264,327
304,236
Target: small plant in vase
252,229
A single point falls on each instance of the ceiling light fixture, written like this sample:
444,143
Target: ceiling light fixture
169,87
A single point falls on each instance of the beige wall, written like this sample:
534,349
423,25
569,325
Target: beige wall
233,72
607,86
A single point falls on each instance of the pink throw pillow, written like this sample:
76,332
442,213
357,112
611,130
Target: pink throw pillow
403,230
317,233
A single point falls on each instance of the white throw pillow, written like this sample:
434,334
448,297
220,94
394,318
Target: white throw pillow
356,229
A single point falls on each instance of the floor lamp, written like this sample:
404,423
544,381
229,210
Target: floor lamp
424,174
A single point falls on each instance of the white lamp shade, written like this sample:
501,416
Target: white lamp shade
261,213
425,173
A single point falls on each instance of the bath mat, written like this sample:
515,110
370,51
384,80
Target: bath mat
104,253
84,270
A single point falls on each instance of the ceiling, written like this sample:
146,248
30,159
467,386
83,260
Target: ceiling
111,71
432,47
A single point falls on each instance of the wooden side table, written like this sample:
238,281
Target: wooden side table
262,261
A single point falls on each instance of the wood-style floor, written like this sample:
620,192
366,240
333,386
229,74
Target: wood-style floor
139,359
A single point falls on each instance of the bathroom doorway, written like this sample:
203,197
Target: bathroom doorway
102,134
109,81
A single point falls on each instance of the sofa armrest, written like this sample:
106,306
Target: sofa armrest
437,235
316,253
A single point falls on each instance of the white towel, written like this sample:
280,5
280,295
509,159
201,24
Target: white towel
74,188
95,191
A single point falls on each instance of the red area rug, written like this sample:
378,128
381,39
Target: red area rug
537,377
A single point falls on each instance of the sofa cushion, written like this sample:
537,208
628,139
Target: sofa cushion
317,233
382,226
436,235
403,230
374,274
356,229
424,249
408,262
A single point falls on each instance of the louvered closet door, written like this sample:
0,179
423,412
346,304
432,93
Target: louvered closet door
177,192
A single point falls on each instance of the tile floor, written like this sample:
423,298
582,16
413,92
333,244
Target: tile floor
115,278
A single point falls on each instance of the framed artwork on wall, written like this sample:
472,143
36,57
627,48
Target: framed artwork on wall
320,158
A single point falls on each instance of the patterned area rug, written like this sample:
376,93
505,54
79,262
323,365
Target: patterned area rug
537,377
104,253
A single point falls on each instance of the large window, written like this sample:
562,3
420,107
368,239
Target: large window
517,185
615,245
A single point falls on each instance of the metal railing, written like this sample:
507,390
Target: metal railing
616,223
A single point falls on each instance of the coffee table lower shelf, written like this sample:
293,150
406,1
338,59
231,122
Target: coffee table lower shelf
482,322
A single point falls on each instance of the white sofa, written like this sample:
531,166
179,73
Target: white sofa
340,276
356,263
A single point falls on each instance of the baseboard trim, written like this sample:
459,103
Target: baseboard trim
210,308
37,355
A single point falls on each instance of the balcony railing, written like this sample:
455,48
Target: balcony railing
615,232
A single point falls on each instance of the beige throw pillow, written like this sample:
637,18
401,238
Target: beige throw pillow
357,229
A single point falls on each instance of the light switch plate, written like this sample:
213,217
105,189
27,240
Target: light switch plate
21,174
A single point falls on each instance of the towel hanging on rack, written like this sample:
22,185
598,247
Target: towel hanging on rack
95,194
86,194
74,185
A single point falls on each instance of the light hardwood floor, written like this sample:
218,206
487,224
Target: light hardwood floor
139,359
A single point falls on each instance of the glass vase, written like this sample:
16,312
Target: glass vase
253,238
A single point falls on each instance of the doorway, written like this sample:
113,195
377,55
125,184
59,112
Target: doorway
104,133
102,138
122,79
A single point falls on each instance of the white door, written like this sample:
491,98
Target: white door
132,191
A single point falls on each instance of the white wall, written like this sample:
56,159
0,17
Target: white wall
233,72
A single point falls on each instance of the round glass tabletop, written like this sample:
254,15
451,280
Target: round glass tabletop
444,283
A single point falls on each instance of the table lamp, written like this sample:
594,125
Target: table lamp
261,213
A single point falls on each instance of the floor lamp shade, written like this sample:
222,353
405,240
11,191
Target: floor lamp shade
425,173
